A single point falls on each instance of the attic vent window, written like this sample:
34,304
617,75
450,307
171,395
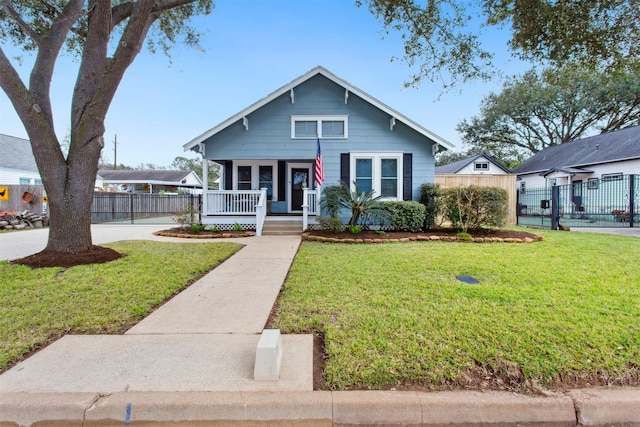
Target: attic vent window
611,177
481,166
311,127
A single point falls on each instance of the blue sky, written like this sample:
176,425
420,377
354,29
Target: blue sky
250,49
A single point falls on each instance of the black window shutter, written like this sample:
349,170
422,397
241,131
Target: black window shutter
282,180
344,168
407,176
228,175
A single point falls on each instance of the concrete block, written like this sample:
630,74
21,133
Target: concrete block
268,356
385,408
458,408
607,407
44,409
312,409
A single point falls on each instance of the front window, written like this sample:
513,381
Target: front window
481,166
380,172
311,127
364,174
265,177
389,177
244,177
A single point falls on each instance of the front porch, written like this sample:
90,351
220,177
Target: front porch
250,209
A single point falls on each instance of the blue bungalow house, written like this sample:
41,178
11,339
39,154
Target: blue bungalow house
268,151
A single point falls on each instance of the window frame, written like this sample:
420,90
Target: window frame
484,166
376,170
608,177
255,174
319,120
592,183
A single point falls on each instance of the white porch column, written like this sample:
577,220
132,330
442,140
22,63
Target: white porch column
205,178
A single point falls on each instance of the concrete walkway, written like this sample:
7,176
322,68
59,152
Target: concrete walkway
204,339
190,363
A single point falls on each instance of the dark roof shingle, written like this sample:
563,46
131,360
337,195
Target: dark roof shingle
604,148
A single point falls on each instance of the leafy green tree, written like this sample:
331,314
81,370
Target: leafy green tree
194,164
106,36
538,110
593,33
441,41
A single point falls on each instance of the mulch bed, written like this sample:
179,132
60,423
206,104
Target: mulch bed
188,233
484,235
46,258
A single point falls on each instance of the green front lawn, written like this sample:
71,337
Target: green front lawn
559,312
39,305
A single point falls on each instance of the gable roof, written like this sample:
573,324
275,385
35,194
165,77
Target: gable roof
604,148
16,153
457,166
292,85
145,176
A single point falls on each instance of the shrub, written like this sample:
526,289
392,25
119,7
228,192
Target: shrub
430,198
355,229
331,223
196,228
405,215
185,217
473,207
330,200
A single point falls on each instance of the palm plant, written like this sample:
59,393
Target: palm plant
358,203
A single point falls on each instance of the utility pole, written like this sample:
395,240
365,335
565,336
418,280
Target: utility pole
115,152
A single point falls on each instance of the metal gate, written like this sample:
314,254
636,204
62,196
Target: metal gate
610,202
138,208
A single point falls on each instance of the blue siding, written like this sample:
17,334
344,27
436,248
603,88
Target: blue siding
269,134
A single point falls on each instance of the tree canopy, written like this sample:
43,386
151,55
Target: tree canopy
442,39
541,109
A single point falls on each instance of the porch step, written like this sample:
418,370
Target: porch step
280,227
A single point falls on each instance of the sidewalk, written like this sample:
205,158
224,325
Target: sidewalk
190,363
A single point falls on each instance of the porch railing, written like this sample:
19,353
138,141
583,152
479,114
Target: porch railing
310,205
237,203
231,202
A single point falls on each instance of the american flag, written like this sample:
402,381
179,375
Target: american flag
319,167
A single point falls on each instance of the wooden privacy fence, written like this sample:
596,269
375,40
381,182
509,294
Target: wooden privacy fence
19,198
506,182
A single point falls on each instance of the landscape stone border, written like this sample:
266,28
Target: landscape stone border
423,237
221,235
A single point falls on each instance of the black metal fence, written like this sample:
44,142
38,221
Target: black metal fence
611,202
132,208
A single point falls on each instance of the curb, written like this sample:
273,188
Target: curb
590,407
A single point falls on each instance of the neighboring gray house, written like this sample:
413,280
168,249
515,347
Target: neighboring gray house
474,165
148,181
597,159
17,164
272,144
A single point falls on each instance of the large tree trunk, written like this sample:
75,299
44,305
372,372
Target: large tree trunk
69,184
70,205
